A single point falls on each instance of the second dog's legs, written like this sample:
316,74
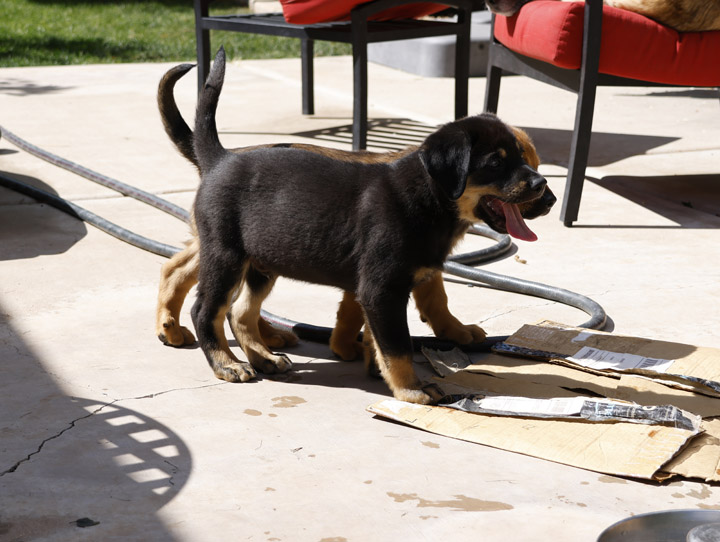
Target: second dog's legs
350,319
178,275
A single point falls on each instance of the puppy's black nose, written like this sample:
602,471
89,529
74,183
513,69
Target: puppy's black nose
548,198
537,182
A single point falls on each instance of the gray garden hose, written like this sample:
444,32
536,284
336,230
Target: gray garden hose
455,265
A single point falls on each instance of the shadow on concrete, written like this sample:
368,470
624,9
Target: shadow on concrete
74,467
553,146
700,93
20,87
691,201
387,134
27,230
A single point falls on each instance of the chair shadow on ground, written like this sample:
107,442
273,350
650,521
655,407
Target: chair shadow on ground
74,467
691,201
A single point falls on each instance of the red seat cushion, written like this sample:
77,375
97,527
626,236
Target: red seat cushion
323,11
632,45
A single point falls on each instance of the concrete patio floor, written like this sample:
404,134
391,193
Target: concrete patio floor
99,420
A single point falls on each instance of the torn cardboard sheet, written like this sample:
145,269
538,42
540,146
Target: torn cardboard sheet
623,449
677,365
650,451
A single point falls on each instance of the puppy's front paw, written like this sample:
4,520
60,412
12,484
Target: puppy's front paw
413,396
173,334
278,363
462,334
235,372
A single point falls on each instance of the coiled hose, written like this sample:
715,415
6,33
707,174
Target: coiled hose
457,265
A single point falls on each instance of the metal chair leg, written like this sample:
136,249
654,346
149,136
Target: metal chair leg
492,88
582,131
202,39
308,76
360,83
462,64
579,151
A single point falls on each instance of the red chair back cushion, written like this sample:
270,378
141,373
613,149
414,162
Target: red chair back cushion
323,11
632,45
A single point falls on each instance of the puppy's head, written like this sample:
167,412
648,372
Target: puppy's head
479,163
505,7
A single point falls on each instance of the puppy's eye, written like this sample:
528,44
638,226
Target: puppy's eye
494,162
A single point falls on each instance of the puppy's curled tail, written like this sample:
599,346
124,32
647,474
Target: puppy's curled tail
206,144
175,126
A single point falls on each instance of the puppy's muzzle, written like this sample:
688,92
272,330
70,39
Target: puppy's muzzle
535,183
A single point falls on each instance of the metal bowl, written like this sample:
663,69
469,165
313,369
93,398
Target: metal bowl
669,526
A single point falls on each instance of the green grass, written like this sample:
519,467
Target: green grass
60,32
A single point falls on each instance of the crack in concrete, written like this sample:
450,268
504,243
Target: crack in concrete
53,437
159,393
71,425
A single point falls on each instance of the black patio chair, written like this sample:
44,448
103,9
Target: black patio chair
359,31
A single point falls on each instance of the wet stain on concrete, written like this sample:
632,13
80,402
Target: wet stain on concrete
702,494
460,503
431,444
368,482
289,401
678,495
565,500
251,412
709,506
611,480
334,539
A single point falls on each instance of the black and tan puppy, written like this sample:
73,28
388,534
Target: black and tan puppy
179,274
375,229
682,15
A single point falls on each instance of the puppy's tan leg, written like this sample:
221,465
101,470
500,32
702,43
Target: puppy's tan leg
398,373
178,275
350,319
386,325
274,337
432,303
244,322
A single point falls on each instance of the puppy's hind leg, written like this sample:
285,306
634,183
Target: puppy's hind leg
218,280
178,275
244,318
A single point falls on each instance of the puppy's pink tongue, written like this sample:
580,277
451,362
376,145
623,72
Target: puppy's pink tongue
515,223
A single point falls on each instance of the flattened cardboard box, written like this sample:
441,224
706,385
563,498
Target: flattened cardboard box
625,449
683,366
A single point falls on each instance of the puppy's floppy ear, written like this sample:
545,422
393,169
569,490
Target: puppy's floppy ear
446,157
